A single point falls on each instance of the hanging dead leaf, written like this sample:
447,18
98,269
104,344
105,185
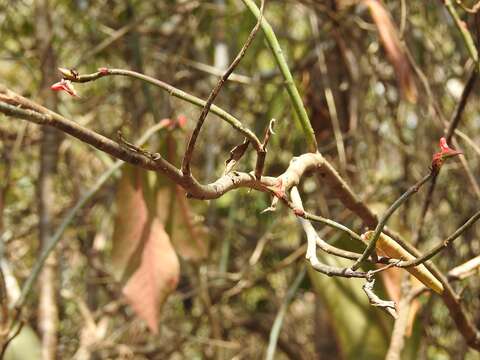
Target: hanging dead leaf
143,258
189,237
155,278
130,221
391,41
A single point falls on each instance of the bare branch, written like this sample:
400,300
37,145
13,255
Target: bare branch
388,306
224,115
211,98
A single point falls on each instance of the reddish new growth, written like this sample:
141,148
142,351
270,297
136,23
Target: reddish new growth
278,189
299,212
172,124
64,85
444,153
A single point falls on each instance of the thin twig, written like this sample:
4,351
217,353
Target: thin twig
443,245
452,125
311,253
466,35
313,239
465,270
224,115
211,98
383,221
374,299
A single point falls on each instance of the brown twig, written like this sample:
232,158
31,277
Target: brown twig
262,154
213,94
224,115
452,125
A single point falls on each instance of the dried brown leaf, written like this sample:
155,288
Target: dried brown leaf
189,237
235,154
142,256
130,221
155,278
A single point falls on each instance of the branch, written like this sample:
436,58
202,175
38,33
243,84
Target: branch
311,254
388,306
211,98
224,115
383,221
465,270
466,35
444,244
57,236
312,237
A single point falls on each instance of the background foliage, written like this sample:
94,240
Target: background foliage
236,264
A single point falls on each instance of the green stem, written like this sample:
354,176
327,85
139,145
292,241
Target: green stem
224,115
302,116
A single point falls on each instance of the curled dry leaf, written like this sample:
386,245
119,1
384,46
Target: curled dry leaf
391,41
386,246
235,154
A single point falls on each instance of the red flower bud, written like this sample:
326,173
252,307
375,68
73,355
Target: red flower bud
444,153
64,85
103,70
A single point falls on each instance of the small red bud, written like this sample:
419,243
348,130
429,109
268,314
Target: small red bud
103,71
444,153
64,85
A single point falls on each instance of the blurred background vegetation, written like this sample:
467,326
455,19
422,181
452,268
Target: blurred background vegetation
236,265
